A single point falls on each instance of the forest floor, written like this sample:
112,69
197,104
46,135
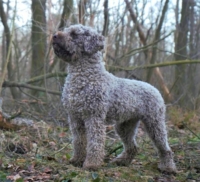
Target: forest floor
41,153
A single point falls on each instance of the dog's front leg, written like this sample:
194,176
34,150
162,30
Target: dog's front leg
95,130
79,141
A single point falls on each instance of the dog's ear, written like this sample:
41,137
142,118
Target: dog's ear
94,43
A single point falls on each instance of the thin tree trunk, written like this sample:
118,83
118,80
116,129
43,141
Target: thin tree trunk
192,70
81,10
137,24
66,19
157,37
67,12
106,18
11,72
39,39
181,53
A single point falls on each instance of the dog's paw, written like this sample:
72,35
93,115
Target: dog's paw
124,159
76,162
121,161
167,164
91,166
168,167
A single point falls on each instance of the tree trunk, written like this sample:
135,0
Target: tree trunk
67,18
106,18
11,71
156,38
67,11
39,39
180,88
81,10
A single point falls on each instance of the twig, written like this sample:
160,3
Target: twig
18,113
114,150
1,103
140,49
60,149
185,125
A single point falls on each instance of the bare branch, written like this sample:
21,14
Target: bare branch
154,43
24,85
45,76
171,63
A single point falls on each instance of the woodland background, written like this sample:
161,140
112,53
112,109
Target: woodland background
156,41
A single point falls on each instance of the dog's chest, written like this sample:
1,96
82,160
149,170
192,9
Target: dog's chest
80,95
73,95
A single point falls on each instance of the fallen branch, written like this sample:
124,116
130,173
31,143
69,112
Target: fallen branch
24,85
27,84
5,120
12,122
6,124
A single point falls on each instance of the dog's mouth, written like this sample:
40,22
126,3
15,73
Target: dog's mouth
61,52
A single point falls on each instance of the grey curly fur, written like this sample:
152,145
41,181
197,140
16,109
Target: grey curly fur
94,97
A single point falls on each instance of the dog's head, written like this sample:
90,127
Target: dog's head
77,41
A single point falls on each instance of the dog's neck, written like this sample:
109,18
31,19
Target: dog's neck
87,63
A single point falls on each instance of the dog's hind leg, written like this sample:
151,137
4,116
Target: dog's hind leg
156,130
127,132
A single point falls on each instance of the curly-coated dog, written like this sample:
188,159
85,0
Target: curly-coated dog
94,97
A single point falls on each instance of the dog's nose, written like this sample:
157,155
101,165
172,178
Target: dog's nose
58,35
55,36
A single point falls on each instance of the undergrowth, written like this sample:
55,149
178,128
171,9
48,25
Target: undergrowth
42,152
